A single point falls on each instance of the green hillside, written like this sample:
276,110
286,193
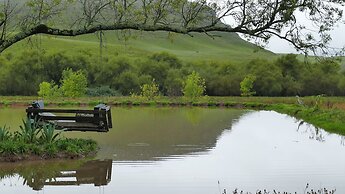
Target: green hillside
200,47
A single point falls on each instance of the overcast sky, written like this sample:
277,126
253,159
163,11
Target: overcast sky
280,46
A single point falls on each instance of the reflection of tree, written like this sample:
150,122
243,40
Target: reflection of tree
164,132
193,116
38,174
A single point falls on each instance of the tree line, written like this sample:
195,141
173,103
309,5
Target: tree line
119,75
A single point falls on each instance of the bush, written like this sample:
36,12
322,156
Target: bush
173,83
247,85
150,91
48,90
194,86
102,91
168,58
73,84
127,83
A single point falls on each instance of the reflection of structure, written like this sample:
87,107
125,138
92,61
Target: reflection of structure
39,174
92,172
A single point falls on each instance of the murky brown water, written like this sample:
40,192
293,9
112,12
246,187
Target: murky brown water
188,150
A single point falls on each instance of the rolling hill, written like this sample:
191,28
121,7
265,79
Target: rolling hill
200,47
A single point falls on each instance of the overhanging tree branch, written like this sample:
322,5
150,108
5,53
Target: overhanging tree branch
258,19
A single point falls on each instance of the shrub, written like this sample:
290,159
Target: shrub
47,90
127,83
194,86
168,58
173,84
73,84
102,91
150,91
247,85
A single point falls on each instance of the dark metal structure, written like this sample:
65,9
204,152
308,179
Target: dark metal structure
98,119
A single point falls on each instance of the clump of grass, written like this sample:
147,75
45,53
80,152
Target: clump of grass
41,141
4,133
48,133
28,131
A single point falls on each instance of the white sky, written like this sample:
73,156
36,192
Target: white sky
280,46
277,45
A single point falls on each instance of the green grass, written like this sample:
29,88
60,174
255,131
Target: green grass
332,120
200,47
16,150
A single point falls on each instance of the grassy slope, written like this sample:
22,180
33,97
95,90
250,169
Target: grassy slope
200,47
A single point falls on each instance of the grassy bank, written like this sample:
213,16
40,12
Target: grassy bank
35,142
324,112
249,102
332,120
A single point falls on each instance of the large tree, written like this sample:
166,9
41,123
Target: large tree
258,19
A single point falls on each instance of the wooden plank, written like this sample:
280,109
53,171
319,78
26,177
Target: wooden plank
77,125
32,110
86,129
110,121
55,118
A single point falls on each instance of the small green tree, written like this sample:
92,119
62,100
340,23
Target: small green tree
73,84
48,90
247,85
194,86
150,91
45,89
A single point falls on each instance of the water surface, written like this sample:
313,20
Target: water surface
188,150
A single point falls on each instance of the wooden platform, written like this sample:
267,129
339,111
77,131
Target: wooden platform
98,119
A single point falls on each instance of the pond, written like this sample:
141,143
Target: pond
188,150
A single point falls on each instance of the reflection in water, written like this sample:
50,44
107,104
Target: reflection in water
316,133
150,134
59,173
189,150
